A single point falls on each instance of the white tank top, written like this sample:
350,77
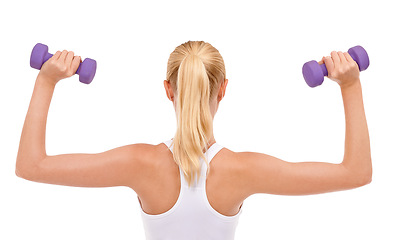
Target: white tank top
192,217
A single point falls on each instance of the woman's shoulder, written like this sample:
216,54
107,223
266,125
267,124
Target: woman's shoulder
228,160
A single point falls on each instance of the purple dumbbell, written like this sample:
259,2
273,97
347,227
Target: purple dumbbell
314,72
86,69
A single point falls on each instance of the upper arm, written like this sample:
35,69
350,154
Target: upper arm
122,166
262,173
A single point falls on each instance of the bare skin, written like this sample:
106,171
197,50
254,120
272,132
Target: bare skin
152,173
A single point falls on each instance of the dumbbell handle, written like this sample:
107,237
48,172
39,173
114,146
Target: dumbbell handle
49,55
325,70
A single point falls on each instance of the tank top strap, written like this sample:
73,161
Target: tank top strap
168,143
213,150
209,154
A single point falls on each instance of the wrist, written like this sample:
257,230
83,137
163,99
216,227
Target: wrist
45,81
356,84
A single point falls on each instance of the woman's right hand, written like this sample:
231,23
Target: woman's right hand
341,68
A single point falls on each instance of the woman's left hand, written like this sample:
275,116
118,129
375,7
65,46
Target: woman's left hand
62,65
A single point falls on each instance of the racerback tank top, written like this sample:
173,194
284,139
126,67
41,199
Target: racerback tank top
192,217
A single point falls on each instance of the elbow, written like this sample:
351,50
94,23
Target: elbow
25,172
363,179
358,178
368,176
18,172
368,179
21,173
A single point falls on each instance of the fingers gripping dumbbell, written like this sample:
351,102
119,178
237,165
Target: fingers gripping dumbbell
86,69
314,72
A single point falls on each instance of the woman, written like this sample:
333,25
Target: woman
190,187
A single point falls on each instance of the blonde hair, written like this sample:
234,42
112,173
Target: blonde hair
194,70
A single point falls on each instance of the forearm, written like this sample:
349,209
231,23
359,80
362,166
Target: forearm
357,156
32,142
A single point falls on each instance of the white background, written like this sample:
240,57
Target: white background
267,108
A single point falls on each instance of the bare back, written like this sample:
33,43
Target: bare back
160,191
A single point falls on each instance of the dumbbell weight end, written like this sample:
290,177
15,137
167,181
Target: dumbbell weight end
360,56
314,73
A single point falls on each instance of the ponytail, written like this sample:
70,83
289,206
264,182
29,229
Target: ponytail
191,71
194,120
